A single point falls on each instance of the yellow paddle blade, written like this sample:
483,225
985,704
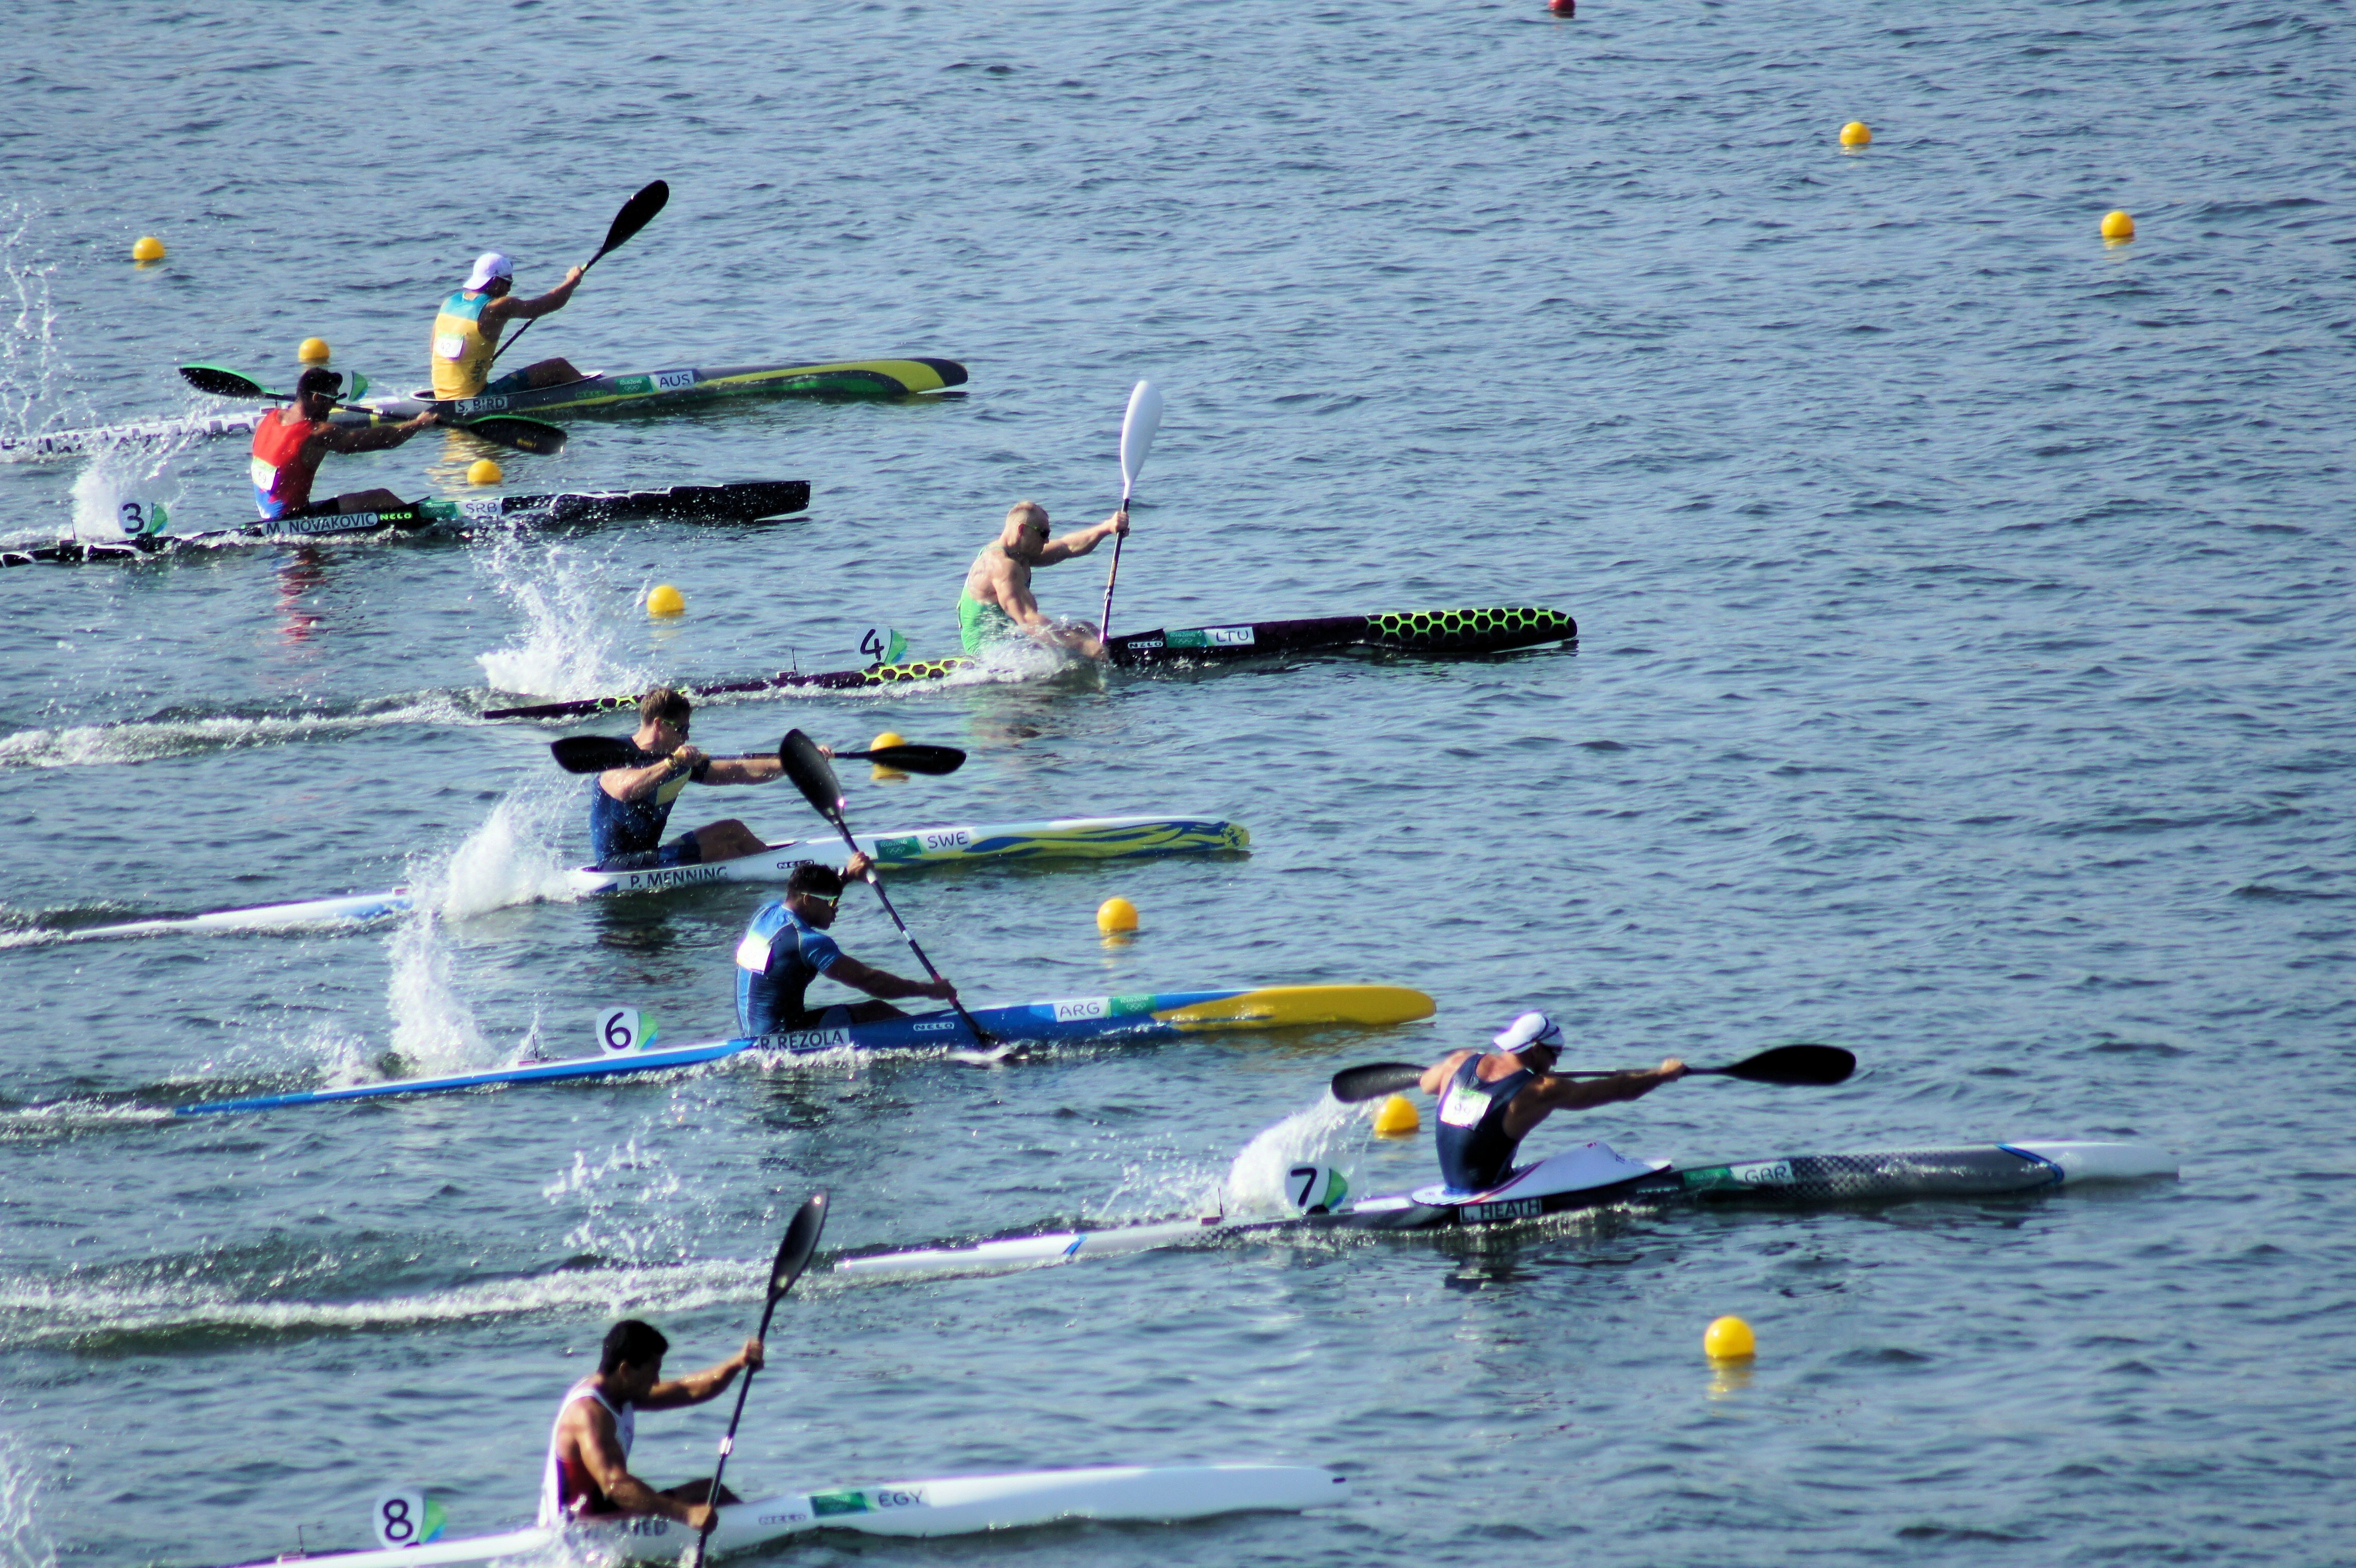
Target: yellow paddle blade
1283,1006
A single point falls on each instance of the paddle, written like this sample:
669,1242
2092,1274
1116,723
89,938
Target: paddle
1799,1066
635,215
596,753
1137,428
501,429
793,1257
809,771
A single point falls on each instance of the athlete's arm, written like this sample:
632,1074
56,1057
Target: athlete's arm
1551,1093
1014,595
741,771
1435,1077
698,1387
638,783
365,438
601,1454
1080,543
884,985
510,308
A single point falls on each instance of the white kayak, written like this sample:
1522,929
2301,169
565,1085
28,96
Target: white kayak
1064,838
954,1505
1591,1177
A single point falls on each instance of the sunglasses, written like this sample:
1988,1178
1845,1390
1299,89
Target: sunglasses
829,899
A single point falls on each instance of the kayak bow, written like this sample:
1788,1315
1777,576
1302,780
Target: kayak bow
1153,1016
1486,630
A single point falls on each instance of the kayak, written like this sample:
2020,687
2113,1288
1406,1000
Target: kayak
1065,838
954,1505
665,389
1487,630
594,394
739,502
1591,1177
1158,1015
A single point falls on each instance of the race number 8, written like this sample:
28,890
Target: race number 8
401,1519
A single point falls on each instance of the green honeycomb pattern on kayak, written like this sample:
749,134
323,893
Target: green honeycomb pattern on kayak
916,670
1511,626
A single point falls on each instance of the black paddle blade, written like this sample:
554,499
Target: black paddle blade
803,763
1800,1066
593,753
222,382
1355,1085
912,758
635,215
802,1240
534,435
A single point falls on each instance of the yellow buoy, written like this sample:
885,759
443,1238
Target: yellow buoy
2117,225
1397,1119
1729,1340
147,248
662,600
1857,134
1116,914
314,351
889,737
483,471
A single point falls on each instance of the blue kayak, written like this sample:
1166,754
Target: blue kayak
1031,1023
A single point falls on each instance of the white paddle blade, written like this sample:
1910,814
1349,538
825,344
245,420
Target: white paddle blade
1137,428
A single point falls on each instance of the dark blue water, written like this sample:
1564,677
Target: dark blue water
1964,679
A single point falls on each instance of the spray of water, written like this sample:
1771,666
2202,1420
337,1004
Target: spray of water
513,858
23,1542
1326,1134
570,644
32,362
433,1030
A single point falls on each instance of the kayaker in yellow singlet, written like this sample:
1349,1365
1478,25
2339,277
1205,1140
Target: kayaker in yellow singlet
996,602
466,332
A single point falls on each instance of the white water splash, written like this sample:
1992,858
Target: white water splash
512,858
630,1203
33,365
433,1030
146,740
1326,1134
571,642
23,1542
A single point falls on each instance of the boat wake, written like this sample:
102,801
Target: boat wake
181,733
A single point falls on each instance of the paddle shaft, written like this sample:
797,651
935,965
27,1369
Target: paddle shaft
728,1443
619,233
981,1036
1104,622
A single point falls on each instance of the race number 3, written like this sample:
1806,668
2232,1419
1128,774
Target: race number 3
405,1519
623,1030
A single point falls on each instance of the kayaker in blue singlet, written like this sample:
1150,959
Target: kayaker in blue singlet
1491,1101
786,947
588,1468
630,807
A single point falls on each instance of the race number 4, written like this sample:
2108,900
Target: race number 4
881,645
407,1519
621,1029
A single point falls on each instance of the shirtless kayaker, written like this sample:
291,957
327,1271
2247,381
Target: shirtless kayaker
588,1468
997,603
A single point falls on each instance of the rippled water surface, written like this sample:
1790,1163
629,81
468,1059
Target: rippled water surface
1964,679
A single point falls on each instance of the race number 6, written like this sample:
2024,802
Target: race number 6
623,1030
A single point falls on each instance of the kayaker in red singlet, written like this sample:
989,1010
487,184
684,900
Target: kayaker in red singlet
288,444
588,1468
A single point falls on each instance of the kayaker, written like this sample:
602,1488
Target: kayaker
466,332
996,602
290,442
786,947
630,807
588,1468
1491,1101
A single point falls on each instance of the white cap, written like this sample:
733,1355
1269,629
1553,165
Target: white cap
488,265
1528,1032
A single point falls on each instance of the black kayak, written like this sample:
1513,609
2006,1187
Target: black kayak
1491,630
741,503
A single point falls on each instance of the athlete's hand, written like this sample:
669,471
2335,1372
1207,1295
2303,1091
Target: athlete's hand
425,420
574,276
941,991
699,1515
857,868
1120,523
753,1358
1671,1069
688,756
